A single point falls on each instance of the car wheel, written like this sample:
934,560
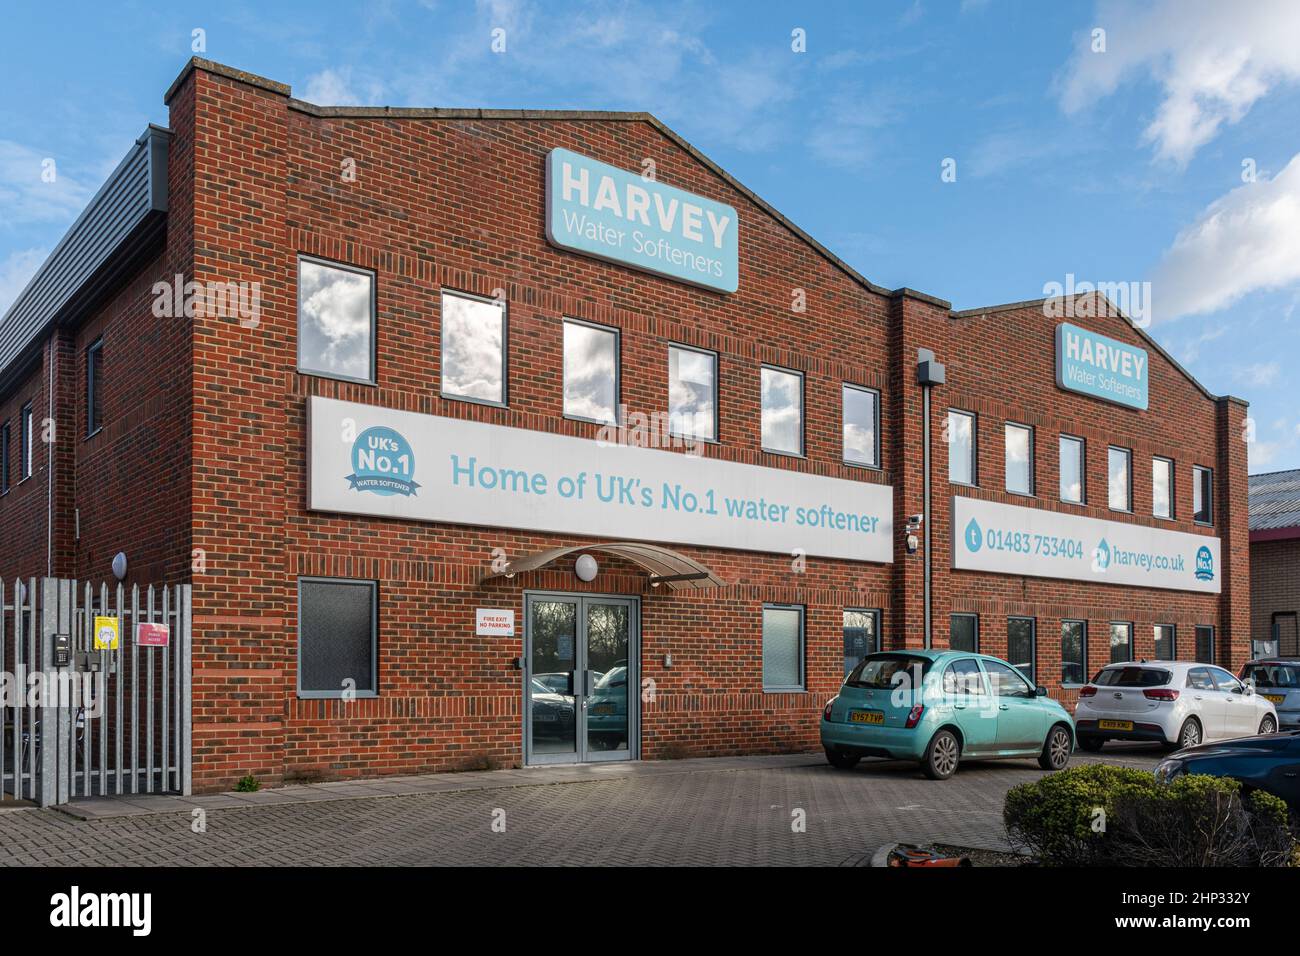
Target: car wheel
840,760
1090,744
941,756
1056,749
1190,734
1268,725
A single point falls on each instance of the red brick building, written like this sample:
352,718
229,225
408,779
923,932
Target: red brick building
1275,560
370,425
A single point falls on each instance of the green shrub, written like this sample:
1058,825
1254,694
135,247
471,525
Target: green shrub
248,784
1098,815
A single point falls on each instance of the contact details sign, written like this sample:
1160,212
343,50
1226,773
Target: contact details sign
1009,539
430,468
603,211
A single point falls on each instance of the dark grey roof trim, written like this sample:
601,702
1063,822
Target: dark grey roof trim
106,241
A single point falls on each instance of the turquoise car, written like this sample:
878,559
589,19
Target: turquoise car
942,707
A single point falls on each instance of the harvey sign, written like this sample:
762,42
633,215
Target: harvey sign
1102,367
606,212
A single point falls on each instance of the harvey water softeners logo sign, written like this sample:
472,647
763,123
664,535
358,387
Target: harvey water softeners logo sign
382,463
603,211
1102,367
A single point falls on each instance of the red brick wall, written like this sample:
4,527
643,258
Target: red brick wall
1274,583
24,509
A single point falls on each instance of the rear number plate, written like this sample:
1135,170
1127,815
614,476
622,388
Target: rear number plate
1274,698
866,717
1115,725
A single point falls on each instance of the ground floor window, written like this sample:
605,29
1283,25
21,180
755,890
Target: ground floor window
964,633
1121,641
1204,644
861,636
337,633
1074,652
1165,635
782,648
1021,650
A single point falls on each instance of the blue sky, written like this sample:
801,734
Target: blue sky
1130,163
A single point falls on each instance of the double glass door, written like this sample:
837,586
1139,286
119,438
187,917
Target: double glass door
581,690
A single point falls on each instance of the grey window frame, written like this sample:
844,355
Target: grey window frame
94,379
803,411
974,449
1128,509
876,615
566,321
1173,641
1197,470
1032,677
717,389
374,639
1173,489
1196,648
26,442
6,438
1083,468
974,617
374,319
1006,484
1109,645
875,426
802,686
1083,647
505,349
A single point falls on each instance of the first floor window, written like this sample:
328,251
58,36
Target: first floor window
861,636
1020,459
1162,487
964,633
1121,642
4,458
1202,495
861,410
94,377
692,393
1072,469
1205,644
1020,646
961,447
590,372
26,423
782,411
1164,635
1074,652
473,335
336,320
1121,479
337,635
782,648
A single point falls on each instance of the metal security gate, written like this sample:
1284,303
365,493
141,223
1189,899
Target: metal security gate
83,717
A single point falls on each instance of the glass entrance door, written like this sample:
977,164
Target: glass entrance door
580,682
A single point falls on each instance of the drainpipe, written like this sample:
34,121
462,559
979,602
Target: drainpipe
929,373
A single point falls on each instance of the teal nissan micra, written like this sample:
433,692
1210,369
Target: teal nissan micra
942,707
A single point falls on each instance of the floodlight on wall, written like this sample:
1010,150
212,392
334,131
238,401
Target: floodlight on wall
586,568
119,565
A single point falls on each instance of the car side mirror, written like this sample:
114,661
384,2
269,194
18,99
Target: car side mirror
1040,691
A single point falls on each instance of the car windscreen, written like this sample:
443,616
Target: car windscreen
1273,675
1132,677
887,671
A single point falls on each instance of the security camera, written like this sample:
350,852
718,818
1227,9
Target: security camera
915,519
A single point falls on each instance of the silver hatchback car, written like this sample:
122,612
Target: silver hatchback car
1277,680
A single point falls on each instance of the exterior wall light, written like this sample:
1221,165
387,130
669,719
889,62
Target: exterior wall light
119,565
586,568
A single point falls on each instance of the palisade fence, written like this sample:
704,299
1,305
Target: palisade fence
81,721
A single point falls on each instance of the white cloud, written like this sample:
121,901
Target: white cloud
15,271
1259,374
338,87
1245,241
26,195
1212,60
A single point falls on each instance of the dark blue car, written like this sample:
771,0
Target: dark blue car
1270,763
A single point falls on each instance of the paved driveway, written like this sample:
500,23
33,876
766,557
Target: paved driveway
736,811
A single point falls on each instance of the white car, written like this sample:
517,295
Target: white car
1175,703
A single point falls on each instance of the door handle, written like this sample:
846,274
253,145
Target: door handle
1003,706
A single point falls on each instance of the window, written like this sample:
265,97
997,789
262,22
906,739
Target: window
473,337
1199,678
1007,681
1204,644
337,626
964,633
1202,495
1166,643
861,636
961,447
692,393
1072,470
336,321
1121,642
1021,646
782,648
1162,487
4,458
861,425
782,414
25,424
94,401
1020,459
1074,652
1121,479
964,677
590,372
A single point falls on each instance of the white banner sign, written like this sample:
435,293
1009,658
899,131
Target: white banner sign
494,622
367,460
1008,539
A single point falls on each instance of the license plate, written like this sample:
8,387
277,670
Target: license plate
1275,698
1115,725
866,717
603,709
543,718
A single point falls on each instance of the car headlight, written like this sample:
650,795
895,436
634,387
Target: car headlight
1167,770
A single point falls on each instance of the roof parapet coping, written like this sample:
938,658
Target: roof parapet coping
229,72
